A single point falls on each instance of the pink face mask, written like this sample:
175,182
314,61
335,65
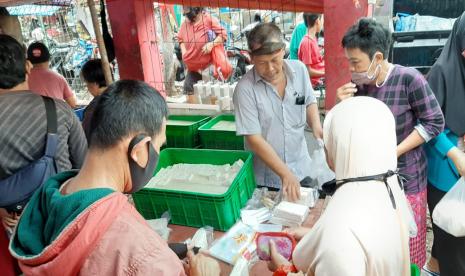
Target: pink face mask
463,53
363,78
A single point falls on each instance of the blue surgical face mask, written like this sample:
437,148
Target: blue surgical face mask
363,78
141,176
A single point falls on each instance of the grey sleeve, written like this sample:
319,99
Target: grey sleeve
77,143
246,110
423,133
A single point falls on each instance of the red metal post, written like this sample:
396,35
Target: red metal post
134,33
339,16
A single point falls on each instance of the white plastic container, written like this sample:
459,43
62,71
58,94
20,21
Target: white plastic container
215,88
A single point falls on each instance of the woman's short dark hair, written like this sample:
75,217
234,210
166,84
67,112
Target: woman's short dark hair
92,72
128,107
310,19
369,36
12,62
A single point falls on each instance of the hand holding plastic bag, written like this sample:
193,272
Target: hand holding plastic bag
449,214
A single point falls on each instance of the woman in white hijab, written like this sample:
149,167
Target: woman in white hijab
364,229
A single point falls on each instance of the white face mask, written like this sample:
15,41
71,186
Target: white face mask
363,78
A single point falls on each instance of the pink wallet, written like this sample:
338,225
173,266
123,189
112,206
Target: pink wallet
284,242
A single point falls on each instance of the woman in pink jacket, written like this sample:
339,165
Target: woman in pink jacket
81,223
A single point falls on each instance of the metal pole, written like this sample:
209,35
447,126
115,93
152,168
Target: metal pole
101,44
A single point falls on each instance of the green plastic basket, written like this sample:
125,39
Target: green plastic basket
196,209
220,139
184,136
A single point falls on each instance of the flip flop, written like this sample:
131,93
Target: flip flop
429,272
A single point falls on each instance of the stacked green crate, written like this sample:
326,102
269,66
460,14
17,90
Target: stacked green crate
220,133
183,131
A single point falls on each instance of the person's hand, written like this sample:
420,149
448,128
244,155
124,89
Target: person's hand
291,187
9,221
297,232
200,265
277,259
346,91
207,48
458,157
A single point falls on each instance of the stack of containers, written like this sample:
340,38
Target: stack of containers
217,93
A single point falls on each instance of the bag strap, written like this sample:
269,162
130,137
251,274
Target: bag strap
52,127
51,113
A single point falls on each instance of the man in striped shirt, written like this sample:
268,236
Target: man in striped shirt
23,123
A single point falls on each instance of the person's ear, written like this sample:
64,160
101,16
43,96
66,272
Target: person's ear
28,67
140,152
379,57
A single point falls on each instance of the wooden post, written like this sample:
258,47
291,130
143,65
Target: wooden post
101,44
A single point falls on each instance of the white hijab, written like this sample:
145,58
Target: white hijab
360,139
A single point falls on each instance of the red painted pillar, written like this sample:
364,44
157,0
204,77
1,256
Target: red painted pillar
339,16
134,34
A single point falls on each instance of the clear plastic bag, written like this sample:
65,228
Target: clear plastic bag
161,225
410,218
449,214
320,169
203,238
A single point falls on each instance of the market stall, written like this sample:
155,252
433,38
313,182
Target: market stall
219,203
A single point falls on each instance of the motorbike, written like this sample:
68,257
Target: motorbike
68,58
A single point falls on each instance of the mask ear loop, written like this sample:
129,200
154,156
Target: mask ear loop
377,69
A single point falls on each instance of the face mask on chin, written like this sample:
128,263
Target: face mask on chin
363,78
141,176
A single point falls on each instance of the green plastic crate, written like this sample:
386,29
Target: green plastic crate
195,209
220,139
184,136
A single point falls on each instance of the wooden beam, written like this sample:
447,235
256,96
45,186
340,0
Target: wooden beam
101,43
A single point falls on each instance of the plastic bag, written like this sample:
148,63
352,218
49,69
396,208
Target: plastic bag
223,68
320,169
409,217
449,214
203,238
161,225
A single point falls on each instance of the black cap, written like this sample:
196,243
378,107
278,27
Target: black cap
37,52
